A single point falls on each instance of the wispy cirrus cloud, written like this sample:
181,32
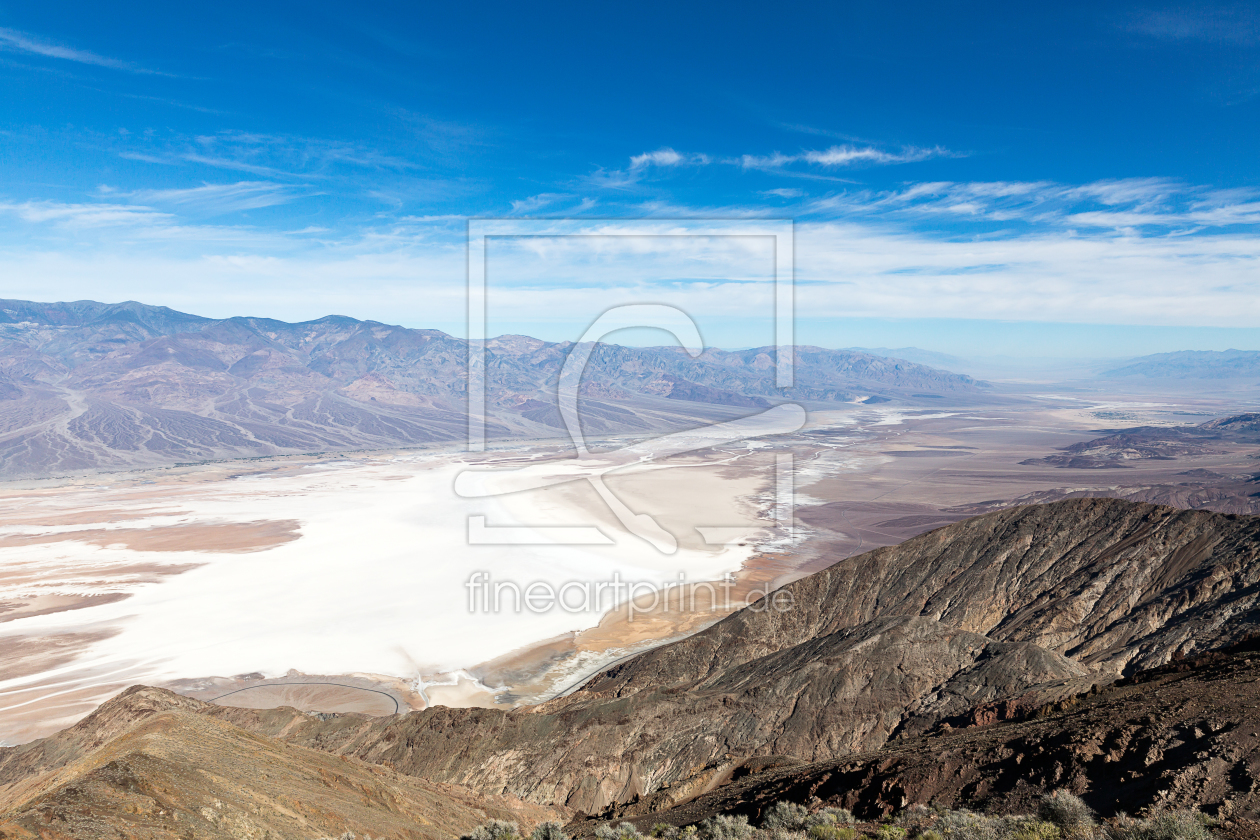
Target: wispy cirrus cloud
265,155
554,201
662,158
783,192
845,155
667,157
217,199
85,215
1223,23
537,202
1152,205
11,40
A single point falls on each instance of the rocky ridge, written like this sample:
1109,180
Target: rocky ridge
154,765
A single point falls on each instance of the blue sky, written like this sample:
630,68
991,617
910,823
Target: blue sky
970,177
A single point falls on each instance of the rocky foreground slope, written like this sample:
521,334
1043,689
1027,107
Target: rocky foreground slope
1183,735
151,764
1040,602
1011,614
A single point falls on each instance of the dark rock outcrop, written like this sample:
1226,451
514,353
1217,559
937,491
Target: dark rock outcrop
1185,735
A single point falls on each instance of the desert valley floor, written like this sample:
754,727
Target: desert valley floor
338,582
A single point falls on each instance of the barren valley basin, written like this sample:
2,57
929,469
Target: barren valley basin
364,582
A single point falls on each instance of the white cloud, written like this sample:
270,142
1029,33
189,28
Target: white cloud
667,157
216,199
537,202
1145,203
15,41
86,215
848,155
841,156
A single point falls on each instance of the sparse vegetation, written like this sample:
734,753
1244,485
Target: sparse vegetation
623,831
831,831
726,827
496,830
550,830
1067,811
785,816
1164,825
1061,815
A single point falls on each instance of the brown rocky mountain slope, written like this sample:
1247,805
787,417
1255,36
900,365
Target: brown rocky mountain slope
150,764
1038,602
1183,735
985,619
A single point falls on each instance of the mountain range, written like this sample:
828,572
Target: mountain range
1191,364
88,385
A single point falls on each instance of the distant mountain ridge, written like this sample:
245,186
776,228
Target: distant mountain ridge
87,385
1192,364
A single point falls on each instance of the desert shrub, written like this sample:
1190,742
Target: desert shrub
788,816
966,825
890,832
1165,825
665,831
915,820
780,834
1066,810
830,816
930,834
550,830
496,830
608,831
1023,828
831,831
726,827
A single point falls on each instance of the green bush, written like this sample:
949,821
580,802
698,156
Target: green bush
496,830
825,831
966,825
550,830
890,832
1068,811
930,834
608,831
787,816
665,831
1028,829
1165,825
830,816
726,827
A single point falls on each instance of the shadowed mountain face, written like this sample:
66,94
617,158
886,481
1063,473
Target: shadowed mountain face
1183,736
1027,606
1013,616
89,385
